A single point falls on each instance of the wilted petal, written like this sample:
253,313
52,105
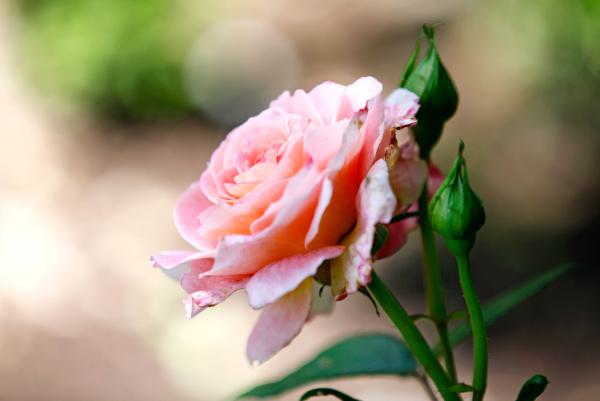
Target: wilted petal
279,323
283,276
401,106
407,178
376,203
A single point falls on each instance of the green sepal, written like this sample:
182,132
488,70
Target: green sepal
367,294
381,235
325,391
438,97
533,388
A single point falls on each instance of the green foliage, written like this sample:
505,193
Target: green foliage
323,391
533,388
438,97
504,303
368,354
121,57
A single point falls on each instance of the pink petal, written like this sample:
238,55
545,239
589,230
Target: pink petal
279,323
340,176
176,263
300,103
376,204
401,106
326,98
322,205
361,91
407,179
190,206
279,233
206,291
324,141
376,138
399,231
281,277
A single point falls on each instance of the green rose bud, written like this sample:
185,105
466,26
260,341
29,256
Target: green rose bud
533,388
456,211
437,94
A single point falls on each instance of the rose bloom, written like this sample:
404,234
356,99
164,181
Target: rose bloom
300,186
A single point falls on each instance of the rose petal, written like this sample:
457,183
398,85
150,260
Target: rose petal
335,211
279,323
407,179
376,203
206,291
280,232
300,103
281,277
401,106
176,263
323,142
360,92
188,209
326,98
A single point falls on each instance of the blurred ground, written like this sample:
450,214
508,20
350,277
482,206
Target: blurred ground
86,198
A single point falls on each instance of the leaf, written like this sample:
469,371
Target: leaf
533,388
316,392
367,354
381,235
503,303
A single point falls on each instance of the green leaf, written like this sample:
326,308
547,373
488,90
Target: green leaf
533,388
502,304
324,391
381,235
367,354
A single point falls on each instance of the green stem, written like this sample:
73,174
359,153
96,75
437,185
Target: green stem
480,353
412,336
436,303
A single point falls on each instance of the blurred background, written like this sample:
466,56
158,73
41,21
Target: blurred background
110,108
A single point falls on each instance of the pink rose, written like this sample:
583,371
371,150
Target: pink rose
279,197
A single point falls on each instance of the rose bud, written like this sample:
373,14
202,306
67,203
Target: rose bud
430,81
533,388
456,211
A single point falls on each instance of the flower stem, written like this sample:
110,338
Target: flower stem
480,353
412,336
436,303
